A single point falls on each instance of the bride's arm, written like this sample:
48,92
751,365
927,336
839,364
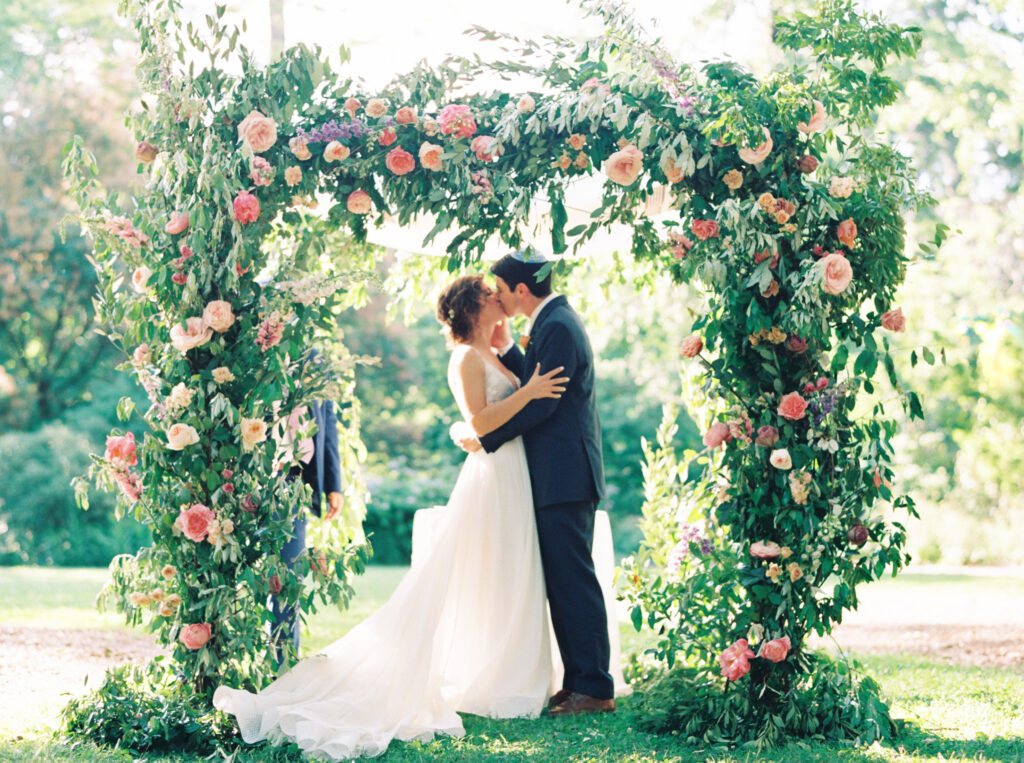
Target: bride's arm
467,378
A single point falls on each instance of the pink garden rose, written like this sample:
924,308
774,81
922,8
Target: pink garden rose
142,354
121,451
177,224
624,166
822,382
336,152
735,660
691,346
179,278
767,436
194,522
260,171
218,316
765,549
457,119
195,635
847,233
484,148
400,161
760,152
246,208
704,229
387,136
195,334
145,152
894,320
430,156
792,406
359,203
352,105
718,434
259,132
837,273
376,108
406,115
139,278
781,459
816,122
775,650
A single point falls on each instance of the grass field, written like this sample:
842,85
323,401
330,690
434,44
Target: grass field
952,713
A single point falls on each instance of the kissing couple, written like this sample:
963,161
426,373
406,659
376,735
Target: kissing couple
467,629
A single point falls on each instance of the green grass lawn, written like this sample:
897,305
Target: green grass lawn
952,713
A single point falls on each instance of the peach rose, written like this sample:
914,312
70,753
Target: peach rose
780,459
673,172
254,431
847,233
177,224
735,660
691,346
222,374
140,277
577,141
704,229
406,116
841,187
246,208
121,450
718,434
376,108
760,152
387,136
142,354
795,573
400,161
484,148
817,121
352,105
300,149
775,650
733,179
195,334
792,406
218,316
766,201
336,152
837,273
624,166
257,131
773,572
766,436
194,522
765,549
359,203
169,572
894,320
195,635
139,599
180,436
156,594
145,152
430,156
526,104
293,176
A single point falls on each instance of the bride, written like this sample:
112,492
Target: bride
467,628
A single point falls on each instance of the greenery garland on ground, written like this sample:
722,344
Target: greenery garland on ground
789,216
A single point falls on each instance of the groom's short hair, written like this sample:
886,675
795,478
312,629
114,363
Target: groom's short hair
522,267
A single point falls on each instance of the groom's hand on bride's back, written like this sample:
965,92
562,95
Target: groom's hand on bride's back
462,434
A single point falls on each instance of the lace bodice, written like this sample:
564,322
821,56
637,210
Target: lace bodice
497,385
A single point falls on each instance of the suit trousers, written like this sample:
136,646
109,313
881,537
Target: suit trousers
566,535
286,624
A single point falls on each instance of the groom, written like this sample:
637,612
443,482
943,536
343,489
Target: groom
562,437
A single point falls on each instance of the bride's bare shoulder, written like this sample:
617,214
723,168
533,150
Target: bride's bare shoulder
465,358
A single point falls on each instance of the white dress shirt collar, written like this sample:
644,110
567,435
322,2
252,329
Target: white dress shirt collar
536,312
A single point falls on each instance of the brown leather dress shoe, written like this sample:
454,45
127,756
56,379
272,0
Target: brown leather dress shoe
582,704
559,697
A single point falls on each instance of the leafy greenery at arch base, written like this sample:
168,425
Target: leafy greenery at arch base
787,214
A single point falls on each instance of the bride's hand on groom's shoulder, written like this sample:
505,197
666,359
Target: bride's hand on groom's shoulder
462,434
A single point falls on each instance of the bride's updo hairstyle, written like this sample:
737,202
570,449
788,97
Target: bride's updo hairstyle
459,305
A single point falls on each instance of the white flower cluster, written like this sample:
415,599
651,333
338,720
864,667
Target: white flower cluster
309,289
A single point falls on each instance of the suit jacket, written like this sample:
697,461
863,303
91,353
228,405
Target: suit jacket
562,436
323,472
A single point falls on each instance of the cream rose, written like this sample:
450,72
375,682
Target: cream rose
142,354
180,397
140,277
376,108
180,436
624,166
169,572
336,152
222,375
257,131
218,316
254,431
293,176
195,334
299,148
526,104
841,187
760,152
733,179
430,156
780,459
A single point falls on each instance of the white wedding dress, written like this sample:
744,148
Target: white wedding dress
466,630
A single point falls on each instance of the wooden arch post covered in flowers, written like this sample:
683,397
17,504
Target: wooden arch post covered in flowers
788,217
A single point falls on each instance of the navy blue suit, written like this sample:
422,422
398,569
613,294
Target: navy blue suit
562,438
323,474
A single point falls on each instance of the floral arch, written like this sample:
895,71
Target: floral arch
787,214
